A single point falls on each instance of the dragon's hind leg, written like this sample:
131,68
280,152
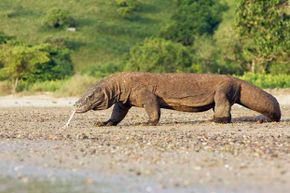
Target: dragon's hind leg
151,105
222,108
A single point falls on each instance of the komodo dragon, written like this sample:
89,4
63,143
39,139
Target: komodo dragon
178,91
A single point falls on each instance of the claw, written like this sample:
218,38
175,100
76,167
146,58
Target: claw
106,123
149,123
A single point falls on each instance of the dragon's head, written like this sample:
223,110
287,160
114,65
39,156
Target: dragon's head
94,99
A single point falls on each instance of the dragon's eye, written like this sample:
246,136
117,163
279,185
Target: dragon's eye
91,97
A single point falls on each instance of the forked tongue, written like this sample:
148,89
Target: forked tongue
70,118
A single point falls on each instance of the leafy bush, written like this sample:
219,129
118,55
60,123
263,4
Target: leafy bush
264,29
283,67
59,65
127,8
267,80
159,55
193,18
33,63
58,18
134,5
214,60
126,12
18,61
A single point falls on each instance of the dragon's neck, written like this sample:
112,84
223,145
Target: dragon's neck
112,92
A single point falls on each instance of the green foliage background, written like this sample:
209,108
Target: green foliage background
159,55
100,37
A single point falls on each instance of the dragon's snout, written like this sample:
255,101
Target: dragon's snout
79,107
90,101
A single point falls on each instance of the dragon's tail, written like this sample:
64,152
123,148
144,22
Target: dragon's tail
258,100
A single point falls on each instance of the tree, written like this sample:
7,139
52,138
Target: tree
264,29
194,18
58,66
20,60
58,18
159,55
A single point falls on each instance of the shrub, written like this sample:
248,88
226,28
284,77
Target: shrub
59,65
159,55
134,5
127,8
283,67
29,64
267,80
18,61
126,12
264,29
193,18
58,18
211,59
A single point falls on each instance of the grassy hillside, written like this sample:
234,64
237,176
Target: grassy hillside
101,36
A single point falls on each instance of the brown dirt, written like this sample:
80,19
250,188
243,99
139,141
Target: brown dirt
184,152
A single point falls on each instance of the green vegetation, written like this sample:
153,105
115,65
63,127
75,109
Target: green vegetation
19,61
72,86
101,35
194,18
43,43
57,18
4,38
264,28
30,64
128,8
268,80
159,55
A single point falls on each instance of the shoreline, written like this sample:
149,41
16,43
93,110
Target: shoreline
48,100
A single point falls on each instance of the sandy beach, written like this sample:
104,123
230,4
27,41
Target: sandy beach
186,152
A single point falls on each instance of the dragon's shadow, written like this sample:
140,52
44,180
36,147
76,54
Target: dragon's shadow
242,119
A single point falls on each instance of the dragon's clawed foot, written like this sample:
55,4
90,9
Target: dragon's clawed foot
150,123
105,123
222,119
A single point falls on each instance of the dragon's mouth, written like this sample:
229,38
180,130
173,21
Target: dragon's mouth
80,110
85,108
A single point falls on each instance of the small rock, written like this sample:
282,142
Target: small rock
71,29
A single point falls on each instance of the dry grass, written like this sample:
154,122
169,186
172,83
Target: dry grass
76,86
5,88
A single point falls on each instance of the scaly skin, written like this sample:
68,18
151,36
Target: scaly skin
177,91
